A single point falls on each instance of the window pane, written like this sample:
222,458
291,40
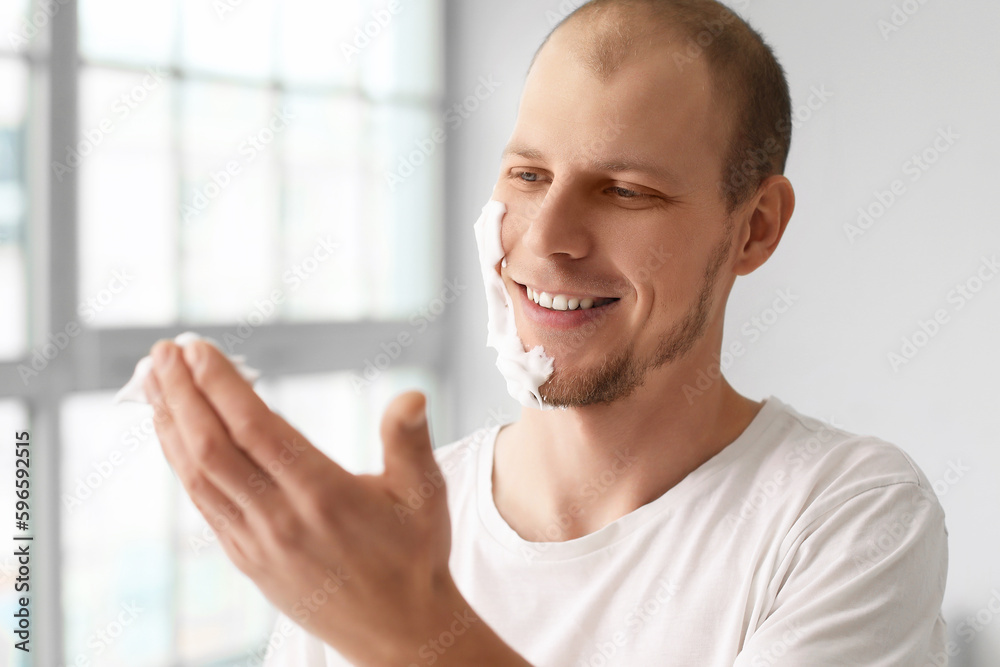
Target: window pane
312,35
207,196
328,411
404,187
132,540
404,57
16,27
230,140
116,500
220,613
13,208
233,39
325,178
13,420
126,31
340,413
128,199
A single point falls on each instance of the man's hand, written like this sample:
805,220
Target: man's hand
324,546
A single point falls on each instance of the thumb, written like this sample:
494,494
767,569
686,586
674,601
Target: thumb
406,443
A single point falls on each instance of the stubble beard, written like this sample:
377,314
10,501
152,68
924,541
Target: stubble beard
621,373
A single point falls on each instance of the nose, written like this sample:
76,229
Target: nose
555,224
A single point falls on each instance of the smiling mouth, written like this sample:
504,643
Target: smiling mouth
565,302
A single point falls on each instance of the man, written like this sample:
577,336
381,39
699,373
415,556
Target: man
651,521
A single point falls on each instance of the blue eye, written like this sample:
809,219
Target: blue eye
523,175
625,193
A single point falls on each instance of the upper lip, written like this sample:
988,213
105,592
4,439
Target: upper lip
566,292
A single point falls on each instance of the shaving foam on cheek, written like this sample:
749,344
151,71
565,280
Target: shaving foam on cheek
524,371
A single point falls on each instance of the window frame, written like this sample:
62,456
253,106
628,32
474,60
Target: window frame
103,359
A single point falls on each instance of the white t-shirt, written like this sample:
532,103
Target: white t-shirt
797,545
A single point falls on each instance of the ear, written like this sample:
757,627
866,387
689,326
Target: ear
769,213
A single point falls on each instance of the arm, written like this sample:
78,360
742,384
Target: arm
323,545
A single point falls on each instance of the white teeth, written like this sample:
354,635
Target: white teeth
559,301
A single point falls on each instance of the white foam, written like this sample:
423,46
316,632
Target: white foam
524,371
134,391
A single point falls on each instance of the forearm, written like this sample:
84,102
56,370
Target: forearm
458,638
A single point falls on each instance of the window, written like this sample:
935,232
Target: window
15,81
255,139
237,168
133,543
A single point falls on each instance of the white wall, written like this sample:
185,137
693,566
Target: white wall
828,356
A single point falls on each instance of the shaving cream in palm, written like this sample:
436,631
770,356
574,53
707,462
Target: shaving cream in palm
524,371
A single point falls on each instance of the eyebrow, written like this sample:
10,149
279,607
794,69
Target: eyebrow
618,164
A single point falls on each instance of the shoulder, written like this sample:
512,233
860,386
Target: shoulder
831,456
824,468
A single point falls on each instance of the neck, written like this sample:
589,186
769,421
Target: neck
562,474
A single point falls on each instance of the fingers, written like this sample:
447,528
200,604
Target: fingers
215,506
202,452
268,440
406,441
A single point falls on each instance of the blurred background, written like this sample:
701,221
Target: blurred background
298,179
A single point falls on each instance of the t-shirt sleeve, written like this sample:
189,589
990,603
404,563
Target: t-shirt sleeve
861,584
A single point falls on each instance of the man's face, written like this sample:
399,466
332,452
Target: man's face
612,192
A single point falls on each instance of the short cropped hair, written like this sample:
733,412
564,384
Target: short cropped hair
747,77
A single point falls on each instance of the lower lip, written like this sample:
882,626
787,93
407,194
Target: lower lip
562,319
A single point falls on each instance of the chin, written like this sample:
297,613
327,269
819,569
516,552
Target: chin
611,379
